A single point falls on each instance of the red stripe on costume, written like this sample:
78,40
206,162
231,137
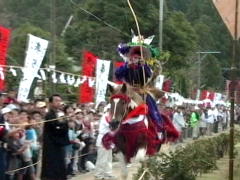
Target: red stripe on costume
140,110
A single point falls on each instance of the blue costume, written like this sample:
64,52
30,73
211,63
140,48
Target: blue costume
134,76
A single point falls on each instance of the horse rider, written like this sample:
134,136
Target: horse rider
136,72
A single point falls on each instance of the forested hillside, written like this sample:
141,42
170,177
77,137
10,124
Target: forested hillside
189,27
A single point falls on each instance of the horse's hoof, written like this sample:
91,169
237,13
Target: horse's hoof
140,156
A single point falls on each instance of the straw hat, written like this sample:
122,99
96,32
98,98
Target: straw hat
77,111
41,104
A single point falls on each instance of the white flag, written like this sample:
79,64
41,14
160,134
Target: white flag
102,72
159,82
34,56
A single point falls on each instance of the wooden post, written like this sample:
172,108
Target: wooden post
232,95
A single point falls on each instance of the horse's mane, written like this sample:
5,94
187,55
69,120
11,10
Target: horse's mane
154,92
131,94
134,95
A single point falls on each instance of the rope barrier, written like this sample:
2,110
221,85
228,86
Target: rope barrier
40,122
15,170
78,156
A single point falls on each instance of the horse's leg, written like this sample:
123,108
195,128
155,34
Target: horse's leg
142,142
121,155
123,165
141,146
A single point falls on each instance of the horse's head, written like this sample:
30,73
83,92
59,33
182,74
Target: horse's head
122,102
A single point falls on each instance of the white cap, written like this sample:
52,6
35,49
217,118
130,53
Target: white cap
60,114
12,106
196,108
6,110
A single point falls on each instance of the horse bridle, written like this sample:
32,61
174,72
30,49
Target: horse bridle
124,97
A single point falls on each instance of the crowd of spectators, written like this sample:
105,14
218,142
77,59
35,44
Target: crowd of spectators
22,155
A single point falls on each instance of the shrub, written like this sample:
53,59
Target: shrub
185,163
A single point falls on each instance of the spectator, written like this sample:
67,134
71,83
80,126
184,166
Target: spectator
203,122
195,118
11,98
178,121
210,121
104,156
38,91
55,138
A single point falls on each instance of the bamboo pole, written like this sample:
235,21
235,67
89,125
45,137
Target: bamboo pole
232,95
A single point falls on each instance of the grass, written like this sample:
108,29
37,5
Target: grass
223,165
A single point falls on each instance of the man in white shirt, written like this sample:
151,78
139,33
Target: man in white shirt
38,91
210,121
178,121
104,157
218,118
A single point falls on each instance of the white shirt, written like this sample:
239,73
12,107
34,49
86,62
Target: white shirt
210,116
178,121
204,120
38,91
103,129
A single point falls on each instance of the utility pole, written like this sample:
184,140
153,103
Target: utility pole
52,62
200,58
160,24
232,93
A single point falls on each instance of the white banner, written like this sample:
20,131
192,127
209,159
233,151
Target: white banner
159,82
217,97
102,72
34,56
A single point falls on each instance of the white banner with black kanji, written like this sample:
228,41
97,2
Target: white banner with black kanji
102,72
34,56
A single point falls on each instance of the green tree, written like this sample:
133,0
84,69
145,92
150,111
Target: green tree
89,33
37,13
16,54
189,26
19,45
180,39
211,78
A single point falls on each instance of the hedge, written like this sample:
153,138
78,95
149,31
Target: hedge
186,163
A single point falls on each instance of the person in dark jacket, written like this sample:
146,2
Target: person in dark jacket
55,138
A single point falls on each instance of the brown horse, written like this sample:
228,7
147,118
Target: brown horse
135,136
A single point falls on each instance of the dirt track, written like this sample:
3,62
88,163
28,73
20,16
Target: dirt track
116,171
116,168
134,167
